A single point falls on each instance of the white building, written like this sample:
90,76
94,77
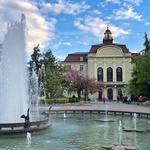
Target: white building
108,62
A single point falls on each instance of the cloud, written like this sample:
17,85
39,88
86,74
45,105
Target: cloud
125,10
66,43
60,58
96,12
131,2
57,44
39,29
147,23
113,1
62,6
126,13
134,2
97,26
85,41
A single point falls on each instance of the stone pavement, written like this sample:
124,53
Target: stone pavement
110,106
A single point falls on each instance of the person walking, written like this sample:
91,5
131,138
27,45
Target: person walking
104,99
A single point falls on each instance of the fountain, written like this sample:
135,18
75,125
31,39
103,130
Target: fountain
74,134
106,119
120,132
13,94
134,129
33,92
28,138
42,93
135,120
14,97
65,116
120,145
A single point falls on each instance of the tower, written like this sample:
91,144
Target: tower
107,39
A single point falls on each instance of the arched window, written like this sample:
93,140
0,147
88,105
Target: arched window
119,74
109,74
100,74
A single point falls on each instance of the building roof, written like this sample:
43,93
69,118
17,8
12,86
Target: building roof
94,48
107,41
77,57
135,56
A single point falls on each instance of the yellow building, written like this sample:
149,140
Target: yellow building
108,62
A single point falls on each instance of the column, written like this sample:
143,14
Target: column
124,70
95,69
104,71
114,70
115,92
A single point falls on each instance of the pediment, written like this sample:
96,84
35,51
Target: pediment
109,51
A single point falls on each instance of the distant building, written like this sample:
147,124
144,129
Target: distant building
108,62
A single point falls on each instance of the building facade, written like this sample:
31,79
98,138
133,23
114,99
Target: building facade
109,63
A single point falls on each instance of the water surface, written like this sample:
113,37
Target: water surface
79,133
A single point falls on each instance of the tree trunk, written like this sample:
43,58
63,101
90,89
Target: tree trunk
86,95
79,94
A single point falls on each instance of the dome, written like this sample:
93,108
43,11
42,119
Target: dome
107,36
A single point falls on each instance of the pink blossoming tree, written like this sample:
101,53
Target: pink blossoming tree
77,82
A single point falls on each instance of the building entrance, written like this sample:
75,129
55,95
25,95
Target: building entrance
110,94
100,95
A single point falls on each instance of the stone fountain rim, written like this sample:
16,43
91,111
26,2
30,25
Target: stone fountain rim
18,128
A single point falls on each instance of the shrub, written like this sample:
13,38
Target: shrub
57,100
42,101
145,98
73,100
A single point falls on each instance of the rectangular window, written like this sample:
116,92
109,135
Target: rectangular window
81,68
81,58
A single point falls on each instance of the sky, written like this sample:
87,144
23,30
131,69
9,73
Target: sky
68,26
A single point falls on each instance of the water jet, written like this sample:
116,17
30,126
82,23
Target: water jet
14,96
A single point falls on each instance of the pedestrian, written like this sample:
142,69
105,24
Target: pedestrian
104,99
118,98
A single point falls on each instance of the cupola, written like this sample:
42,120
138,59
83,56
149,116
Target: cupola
108,39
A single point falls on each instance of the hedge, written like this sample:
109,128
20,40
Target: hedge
57,100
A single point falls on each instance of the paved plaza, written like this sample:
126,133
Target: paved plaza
111,106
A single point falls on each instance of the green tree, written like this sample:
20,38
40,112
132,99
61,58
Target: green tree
140,82
35,59
146,43
53,82
53,75
49,59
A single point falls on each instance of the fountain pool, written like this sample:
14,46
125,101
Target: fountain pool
79,133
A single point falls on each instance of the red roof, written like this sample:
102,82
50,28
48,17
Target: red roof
76,57
94,48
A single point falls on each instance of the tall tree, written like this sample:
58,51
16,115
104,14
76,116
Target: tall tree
53,82
140,82
49,59
146,43
35,59
53,75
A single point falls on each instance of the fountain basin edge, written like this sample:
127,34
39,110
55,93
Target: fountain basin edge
133,130
105,120
18,128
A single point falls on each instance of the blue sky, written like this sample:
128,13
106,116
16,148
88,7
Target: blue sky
68,26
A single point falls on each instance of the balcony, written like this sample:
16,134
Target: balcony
115,84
